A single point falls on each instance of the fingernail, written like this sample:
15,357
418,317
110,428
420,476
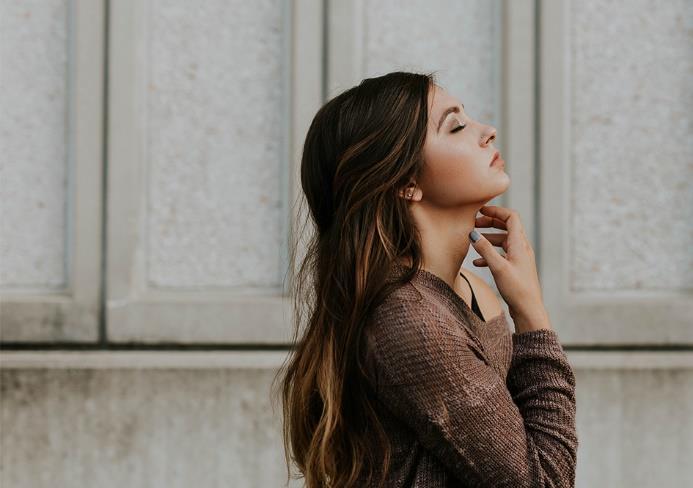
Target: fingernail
474,235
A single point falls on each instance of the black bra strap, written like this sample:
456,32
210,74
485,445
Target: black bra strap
475,305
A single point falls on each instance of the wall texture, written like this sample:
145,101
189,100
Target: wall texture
631,135
177,427
213,143
144,428
33,137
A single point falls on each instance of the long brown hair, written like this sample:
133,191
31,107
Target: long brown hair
363,146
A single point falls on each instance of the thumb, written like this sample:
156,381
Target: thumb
486,250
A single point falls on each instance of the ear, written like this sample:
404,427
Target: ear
411,192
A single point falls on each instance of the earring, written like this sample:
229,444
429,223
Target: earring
410,193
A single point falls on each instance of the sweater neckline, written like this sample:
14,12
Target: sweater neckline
440,285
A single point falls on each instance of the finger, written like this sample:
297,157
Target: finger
509,216
486,221
516,233
486,250
479,262
495,238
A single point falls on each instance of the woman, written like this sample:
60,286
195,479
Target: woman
396,380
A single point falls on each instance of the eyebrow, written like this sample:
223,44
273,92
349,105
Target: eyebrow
448,111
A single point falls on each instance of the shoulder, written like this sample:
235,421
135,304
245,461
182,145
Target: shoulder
410,316
486,296
404,304
410,342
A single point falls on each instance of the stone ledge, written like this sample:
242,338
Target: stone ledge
142,359
273,359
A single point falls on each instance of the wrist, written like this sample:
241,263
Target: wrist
538,319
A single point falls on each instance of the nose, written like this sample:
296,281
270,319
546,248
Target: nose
490,137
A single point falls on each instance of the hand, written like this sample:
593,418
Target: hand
515,273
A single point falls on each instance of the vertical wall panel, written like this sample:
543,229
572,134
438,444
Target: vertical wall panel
616,188
51,147
33,143
632,152
214,143
202,166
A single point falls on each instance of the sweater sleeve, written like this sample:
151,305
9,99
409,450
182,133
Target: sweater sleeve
487,430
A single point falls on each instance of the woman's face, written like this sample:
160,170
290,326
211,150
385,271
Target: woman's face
457,168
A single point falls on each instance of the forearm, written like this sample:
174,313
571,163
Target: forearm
542,384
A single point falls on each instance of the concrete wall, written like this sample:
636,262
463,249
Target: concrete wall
146,428
634,427
184,419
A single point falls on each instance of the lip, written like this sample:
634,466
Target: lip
496,159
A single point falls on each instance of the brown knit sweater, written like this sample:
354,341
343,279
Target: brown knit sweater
466,402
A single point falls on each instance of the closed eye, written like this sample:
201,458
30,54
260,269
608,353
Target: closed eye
458,128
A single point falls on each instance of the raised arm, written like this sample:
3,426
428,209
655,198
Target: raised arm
432,375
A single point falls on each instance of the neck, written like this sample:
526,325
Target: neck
444,239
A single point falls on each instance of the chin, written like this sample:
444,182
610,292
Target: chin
506,184
501,188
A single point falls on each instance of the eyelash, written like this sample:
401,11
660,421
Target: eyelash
459,127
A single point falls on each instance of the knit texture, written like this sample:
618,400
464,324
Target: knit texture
466,402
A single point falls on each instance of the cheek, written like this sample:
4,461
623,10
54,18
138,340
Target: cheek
452,175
